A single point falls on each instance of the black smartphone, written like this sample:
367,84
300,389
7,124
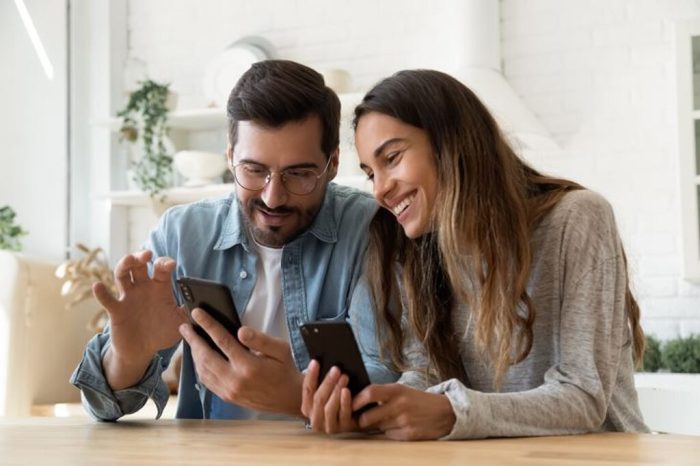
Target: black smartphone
334,344
213,297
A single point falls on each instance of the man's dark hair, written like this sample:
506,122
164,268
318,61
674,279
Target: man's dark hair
274,92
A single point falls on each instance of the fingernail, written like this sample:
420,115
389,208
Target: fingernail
198,315
245,334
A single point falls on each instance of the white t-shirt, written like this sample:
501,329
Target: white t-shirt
265,310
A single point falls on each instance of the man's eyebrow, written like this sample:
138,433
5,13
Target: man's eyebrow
288,167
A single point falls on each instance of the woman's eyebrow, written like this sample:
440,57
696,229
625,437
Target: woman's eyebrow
378,151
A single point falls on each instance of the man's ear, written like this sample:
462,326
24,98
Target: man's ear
333,167
229,156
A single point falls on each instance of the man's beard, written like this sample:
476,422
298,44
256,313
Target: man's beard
273,236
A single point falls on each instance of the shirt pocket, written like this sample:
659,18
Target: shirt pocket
327,315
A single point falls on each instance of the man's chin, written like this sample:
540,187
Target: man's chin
271,236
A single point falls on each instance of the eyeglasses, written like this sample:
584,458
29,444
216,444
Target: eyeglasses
254,177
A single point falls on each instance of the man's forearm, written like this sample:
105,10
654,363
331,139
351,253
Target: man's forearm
121,373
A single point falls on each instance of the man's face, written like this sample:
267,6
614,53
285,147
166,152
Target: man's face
275,215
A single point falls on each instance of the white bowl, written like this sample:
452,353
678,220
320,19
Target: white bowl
200,168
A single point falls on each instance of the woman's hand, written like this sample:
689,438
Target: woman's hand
328,406
405,413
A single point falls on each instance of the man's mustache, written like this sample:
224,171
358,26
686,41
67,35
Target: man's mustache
260,205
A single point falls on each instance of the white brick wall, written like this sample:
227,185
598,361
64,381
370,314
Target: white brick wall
599,74
174,39
601,77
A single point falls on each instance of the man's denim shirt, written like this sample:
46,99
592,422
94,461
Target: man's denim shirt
321,280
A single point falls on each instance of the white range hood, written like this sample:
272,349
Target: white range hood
479,67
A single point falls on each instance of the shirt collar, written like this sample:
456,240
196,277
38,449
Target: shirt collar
324,227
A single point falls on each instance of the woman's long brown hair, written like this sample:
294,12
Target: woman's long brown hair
488,205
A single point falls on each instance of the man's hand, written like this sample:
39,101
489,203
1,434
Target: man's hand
143,319
405,413
262,377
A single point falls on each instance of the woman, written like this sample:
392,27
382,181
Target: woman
502,294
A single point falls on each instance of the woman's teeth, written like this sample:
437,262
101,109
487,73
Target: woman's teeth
403,205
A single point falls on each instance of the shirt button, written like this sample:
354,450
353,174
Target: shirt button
243,274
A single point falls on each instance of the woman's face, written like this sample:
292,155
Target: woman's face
399,160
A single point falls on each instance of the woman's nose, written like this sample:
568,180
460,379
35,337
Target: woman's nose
382,187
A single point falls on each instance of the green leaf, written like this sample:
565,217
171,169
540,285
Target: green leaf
652,355
682,354
9,231
145,117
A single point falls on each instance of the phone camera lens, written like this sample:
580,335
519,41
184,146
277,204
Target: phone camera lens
186,293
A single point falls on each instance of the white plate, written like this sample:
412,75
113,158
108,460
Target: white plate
221,74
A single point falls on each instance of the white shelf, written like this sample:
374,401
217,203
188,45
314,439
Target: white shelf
192,119
215,118
185,195
205,118
170,197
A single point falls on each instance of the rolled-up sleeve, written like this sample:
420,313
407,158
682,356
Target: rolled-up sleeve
105,404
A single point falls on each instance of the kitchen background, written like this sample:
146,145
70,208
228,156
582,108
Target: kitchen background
600,76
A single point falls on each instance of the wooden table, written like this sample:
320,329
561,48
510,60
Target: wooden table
54,441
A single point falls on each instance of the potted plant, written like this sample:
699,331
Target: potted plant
145,117
652,355
10,232
669,389
678,355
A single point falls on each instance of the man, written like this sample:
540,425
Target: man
288,244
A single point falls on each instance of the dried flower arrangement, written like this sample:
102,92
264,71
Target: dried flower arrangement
80,274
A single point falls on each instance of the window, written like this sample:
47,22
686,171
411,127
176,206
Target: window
688,91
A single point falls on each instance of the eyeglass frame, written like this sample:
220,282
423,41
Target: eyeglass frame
282,173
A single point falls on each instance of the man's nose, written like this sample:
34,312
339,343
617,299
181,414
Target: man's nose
274,193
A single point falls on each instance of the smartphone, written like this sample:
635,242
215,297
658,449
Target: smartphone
213,297
333,344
